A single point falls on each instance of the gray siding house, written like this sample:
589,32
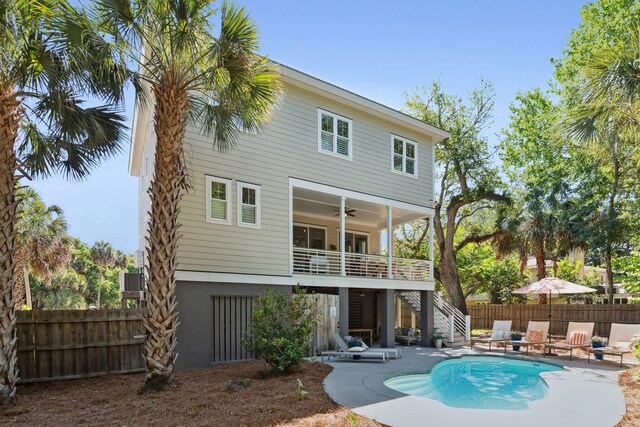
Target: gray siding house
309,200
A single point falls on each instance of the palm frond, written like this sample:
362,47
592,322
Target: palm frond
77,140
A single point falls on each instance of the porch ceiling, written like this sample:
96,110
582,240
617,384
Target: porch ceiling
323,205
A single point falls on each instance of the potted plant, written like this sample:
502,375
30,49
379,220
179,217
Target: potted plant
516,336
437,339
598,342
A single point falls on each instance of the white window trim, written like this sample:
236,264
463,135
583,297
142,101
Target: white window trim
404,156
240,185
208,180
335,135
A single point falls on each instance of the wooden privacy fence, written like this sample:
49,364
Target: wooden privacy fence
482,316
68,344
326,325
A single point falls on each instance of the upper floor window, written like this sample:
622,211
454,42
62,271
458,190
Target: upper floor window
334,134
248,205
404,156
218,200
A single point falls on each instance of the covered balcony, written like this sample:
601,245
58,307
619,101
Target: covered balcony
341,233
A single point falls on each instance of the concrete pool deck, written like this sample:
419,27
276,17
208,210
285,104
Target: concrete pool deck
581,394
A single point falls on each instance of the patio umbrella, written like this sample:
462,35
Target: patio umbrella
552,285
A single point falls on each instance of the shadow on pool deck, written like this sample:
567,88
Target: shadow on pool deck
588,392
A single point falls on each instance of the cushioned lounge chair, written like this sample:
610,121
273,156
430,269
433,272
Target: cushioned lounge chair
578,336
621,341
394,352
537,333
501,332
345,351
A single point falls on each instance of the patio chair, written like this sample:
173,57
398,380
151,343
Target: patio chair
536,335
578,336
345,351
407,336
501,332
621,341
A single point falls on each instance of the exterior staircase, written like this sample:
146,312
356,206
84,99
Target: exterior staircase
454,326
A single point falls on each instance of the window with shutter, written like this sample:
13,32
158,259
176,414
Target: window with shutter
404,156
334,134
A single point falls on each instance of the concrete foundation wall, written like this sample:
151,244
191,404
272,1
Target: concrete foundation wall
195,314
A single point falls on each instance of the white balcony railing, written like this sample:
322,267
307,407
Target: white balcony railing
316,261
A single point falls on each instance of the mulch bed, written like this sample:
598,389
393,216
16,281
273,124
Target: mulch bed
631,388
196,397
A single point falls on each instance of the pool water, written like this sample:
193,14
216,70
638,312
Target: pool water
481,382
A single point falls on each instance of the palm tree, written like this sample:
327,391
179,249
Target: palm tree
219,82
607,119
51,60
103,254
545,227
42,243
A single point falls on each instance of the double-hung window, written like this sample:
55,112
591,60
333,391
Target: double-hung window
404,156
334,134
218,200
248,205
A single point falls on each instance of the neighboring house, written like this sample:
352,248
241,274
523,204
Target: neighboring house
304,201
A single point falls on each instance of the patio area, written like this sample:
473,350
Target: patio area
359,386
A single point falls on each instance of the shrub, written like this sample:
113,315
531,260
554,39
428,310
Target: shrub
281,328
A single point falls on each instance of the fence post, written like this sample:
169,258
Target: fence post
467,328
452,329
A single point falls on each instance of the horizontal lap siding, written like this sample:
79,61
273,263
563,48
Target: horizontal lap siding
288,147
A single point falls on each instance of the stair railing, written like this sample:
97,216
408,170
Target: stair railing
458,321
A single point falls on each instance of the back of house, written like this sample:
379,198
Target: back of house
308,200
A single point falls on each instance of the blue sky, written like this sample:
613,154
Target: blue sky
377,49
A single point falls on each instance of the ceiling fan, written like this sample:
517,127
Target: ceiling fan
349,212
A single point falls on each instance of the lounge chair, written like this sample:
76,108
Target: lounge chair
621,341
578,336
501,332
343,346
536,334
345,351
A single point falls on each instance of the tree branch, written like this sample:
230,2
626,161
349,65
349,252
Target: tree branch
474,238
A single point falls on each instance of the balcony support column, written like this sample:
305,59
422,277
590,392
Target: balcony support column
427,314
343,311
387,327
390,241
431,247
343,201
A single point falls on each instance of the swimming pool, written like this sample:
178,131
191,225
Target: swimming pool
481,382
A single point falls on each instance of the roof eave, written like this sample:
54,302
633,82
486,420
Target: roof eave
313,84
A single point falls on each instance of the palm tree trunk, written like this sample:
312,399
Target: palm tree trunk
27,286
10,116
540,260
160,320
18,284
612,218
100,288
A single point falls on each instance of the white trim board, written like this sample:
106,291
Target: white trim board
305,280
349,194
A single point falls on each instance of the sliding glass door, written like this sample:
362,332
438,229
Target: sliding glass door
308,236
